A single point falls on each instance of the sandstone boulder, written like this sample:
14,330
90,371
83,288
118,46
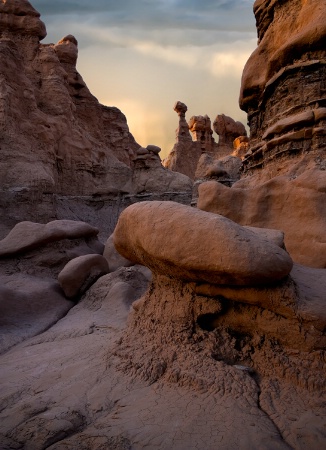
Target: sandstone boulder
80,273
182,242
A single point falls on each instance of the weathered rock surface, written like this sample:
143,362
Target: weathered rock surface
296,206
150,176
186,243
31,257
285,98
27,236
80,273
29,305
114,259
58,143
200,364
68,140
205,381
228,130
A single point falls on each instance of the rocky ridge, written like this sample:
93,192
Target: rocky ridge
62,152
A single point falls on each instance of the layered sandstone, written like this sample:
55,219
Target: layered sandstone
283,85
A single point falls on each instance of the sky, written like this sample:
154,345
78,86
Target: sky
144,55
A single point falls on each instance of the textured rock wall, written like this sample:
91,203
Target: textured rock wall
54,134
283,84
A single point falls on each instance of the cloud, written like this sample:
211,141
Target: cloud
159,14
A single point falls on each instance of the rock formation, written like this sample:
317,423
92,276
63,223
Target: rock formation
150,176
198,157
201,129
283,183
31,257
231,255
285,97
219,342
57,141
185,154
228,130
201,313
80,273
71,144
297,206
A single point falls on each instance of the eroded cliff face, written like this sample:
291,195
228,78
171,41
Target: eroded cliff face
55,135
64,155
283,85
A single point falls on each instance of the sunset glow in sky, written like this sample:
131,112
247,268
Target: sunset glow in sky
142,56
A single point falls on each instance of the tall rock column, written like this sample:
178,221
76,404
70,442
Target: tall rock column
185,153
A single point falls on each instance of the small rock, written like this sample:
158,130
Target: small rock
80,273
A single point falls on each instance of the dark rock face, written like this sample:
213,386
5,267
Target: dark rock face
283,83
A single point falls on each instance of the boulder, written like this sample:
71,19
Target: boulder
181,242
80,273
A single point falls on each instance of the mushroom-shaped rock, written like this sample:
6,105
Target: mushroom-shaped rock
80,273
183,242
29,235
114,259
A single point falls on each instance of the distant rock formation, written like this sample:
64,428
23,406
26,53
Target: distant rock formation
185,153
228,130
195,157
283,85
